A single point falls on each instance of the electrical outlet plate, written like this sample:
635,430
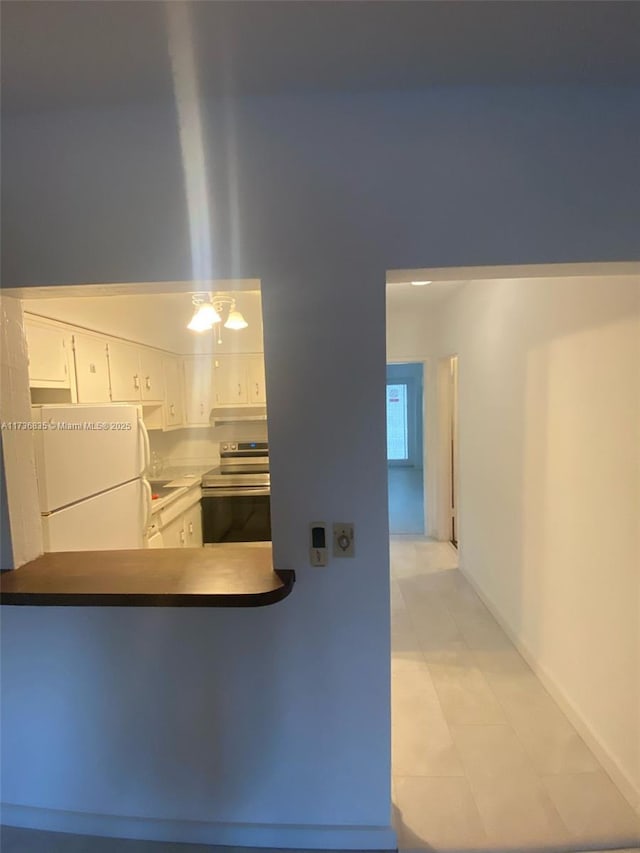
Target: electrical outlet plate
343,539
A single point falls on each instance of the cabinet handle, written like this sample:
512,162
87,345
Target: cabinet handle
182,537
191,528
172,410
147,382
239,390
257,390
202,408
136,382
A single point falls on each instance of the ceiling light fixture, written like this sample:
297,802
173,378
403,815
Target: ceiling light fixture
208,312
420,283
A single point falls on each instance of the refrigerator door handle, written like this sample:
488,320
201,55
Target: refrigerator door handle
145,444
147,487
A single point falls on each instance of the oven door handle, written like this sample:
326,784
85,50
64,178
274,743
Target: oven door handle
236,493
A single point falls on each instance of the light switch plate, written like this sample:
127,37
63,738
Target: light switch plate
318,551
343,539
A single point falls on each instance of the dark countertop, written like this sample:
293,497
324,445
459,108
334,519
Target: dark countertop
228,575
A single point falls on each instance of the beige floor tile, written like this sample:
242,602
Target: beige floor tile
397,599
464,693
437,814
555,746
432,622
402,555
501,664
406,663
517,812
404,643
549,738
514,805
593,809
437,555
421,740
489,752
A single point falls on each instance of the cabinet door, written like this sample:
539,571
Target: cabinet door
173,535
193,526
255,379
92,369
173,405
198,389
151,375
48,355
230,380
124,371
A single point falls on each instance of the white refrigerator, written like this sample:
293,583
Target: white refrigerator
90,464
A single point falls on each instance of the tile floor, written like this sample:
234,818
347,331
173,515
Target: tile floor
406,499
483,758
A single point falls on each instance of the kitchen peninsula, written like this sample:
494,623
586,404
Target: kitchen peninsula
226,575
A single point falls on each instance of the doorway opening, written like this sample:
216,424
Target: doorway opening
530,443
405,454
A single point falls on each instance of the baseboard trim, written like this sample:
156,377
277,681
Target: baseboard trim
305,837
620,778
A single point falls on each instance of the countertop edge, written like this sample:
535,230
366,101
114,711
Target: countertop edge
174,599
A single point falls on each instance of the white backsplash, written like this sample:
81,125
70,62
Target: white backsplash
199,446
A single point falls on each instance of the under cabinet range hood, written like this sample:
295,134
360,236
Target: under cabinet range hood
237,414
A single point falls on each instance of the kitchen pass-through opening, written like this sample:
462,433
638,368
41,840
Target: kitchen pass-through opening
144,409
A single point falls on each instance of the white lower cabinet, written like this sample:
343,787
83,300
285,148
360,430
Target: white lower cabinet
193,526
180,522
173,535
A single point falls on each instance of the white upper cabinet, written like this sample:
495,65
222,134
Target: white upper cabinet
198,389
49,348
151,375
239,380
255,379
136,373
230,380
124,370
92,368
173,384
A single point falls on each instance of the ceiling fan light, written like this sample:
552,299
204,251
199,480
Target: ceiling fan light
204,318
235,320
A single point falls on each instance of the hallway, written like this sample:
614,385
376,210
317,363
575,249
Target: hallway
483,758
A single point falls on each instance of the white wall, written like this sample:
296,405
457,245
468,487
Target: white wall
549,395
272,726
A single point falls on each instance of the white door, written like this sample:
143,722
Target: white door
76,456
112,520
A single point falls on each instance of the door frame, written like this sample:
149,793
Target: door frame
448,460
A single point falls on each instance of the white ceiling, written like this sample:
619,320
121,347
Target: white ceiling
406,296
62,54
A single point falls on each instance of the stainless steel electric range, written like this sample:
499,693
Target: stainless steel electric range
236,503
